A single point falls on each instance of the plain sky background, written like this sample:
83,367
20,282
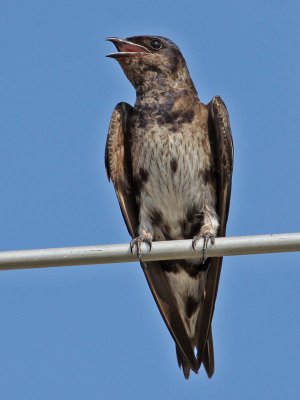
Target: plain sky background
94,332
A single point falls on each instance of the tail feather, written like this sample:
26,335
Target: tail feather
208,359
183,320
208,356
182,363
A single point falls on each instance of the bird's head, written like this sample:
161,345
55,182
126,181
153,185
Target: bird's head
151,62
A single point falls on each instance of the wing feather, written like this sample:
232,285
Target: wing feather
222,150
118,165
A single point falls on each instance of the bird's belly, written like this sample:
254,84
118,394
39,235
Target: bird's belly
174,192
175,189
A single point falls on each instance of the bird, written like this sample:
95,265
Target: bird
170,159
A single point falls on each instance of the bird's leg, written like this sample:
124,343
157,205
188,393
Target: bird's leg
145,236
208,230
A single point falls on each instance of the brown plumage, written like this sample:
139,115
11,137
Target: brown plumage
170,159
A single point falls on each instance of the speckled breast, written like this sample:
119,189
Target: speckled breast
173,173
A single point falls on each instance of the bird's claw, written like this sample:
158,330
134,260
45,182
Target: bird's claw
137,242
206,239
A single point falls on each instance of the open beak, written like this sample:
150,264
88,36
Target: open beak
125,48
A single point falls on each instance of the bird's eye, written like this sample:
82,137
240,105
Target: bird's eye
156,44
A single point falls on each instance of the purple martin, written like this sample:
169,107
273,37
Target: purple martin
170,159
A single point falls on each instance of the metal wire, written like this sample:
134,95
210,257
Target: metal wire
174,249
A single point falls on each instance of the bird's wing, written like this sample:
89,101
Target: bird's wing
222,151
118,166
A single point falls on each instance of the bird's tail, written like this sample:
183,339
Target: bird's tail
207,360
182,363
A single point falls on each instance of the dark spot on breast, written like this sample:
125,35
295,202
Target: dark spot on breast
174,118
191,306
207,176
143,115
194,230
156,217
193,223
143,174
165,118
138,185
174,165
191,214
187,116
189,229
170,266
193,270
174,128
142,122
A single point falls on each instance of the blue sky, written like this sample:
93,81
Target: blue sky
93,332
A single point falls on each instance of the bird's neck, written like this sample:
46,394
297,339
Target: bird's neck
161,85
165,93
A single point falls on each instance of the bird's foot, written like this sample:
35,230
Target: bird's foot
206,236
145,237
